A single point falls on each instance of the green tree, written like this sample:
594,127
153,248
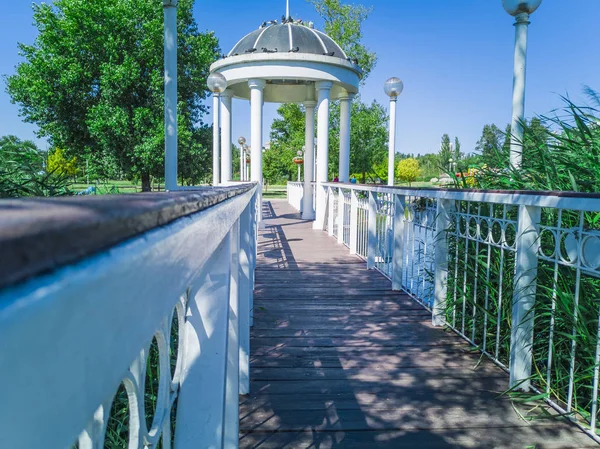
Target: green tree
287,138
446,153
93,81
408,170
368,140
343,23
61,165
491,146
22,171
458,155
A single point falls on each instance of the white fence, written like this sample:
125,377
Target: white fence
517,274
295,193
141,345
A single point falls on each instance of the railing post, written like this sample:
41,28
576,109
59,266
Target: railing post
232,386
526,260
445,209
253,251
330,215
372,235
399,237
353,221
340,215
245,286
201,403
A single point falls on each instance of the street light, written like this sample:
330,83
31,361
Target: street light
393,87
217,85
299,160
520,9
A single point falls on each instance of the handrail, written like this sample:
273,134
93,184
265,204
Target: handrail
555,199
178,266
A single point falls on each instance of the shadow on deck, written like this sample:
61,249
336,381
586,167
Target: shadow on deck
338,360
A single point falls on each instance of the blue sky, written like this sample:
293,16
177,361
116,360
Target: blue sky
454,56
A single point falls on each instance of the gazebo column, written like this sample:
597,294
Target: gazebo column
256,122
216,136
308,212
324,92
226,136
345,108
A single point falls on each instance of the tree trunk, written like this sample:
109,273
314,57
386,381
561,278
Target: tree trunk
146,187
364,178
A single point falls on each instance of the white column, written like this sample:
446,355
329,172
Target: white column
392,143
256,121
226,159
216,138
518,106
345,108
308,212
170,50
324,91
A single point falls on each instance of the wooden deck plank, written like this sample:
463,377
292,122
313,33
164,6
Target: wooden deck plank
338,360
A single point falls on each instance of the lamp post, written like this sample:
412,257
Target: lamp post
170,55
247,162
393,87
217,85
520,9
299,160
242,142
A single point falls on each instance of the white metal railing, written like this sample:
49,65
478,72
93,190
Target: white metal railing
295,193
517,274
141,345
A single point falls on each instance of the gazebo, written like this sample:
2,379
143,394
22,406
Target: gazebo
286,62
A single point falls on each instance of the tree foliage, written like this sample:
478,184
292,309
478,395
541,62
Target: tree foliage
93,81
368,140
343,23
408,170
446,153
22,171
59,164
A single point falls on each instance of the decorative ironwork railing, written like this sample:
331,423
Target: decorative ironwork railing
124,321
517,274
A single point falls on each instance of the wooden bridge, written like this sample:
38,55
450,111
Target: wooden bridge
339,360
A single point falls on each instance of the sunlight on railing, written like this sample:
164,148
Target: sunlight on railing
517,274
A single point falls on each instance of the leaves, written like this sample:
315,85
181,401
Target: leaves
343,23
93,82
408,170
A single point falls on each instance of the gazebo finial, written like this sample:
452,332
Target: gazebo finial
287,9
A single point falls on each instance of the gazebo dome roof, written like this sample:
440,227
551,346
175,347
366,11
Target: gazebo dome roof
287,38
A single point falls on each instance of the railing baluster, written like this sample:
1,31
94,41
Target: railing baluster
330,211
201,405
245,286
445,208
353,222
232,386
399,239
372,234
340,216
526,260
